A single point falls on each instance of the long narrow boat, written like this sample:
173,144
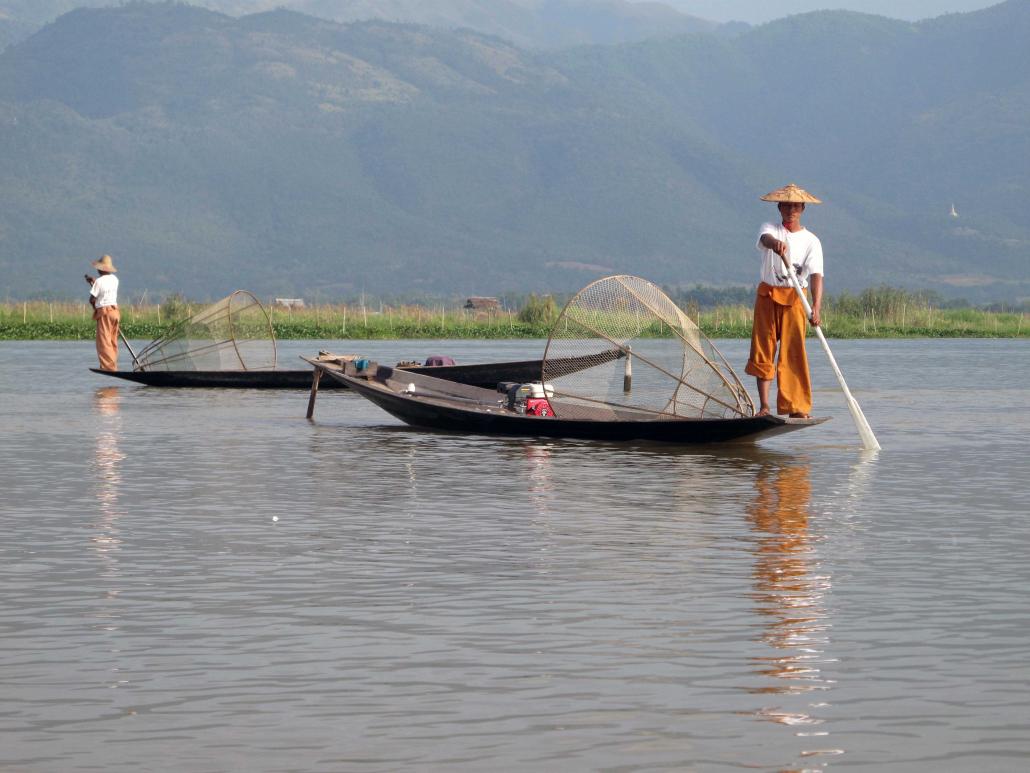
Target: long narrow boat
231,344
424,401
481,374
223,379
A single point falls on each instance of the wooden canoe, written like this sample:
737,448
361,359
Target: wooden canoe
424,401
483,374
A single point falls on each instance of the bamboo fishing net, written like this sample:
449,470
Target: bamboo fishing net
233,334
670,369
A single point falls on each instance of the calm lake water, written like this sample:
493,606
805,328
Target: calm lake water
435,602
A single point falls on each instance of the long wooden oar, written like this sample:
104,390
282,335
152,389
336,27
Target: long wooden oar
865,432
126,342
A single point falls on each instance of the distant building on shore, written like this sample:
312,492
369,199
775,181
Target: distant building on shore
478,303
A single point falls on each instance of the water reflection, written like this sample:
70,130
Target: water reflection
861,474
790,590
541,486
107,476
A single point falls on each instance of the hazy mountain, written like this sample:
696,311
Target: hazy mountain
531,23
295,156
760,11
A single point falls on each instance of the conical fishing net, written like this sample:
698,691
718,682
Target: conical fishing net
670,369
233,334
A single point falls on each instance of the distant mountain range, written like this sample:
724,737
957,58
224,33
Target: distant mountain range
760,11
528,23
297,156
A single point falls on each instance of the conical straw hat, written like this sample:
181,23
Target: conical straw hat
792,193
104,264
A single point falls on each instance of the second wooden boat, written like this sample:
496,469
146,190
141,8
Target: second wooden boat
231,345
481,374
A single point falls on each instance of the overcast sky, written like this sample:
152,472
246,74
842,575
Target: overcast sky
758,11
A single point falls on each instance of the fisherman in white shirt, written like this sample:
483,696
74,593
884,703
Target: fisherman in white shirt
779,322
103,296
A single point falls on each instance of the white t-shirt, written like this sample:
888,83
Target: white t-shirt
804,250
105,290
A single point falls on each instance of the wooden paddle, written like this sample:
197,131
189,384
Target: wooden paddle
865,432
126,342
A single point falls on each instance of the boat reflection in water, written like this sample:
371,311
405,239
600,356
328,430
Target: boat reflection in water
790,590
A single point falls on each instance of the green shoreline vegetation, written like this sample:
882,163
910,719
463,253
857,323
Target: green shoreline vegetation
878,313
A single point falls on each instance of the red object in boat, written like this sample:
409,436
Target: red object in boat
538,406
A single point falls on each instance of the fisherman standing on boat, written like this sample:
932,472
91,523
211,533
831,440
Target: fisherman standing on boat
779,313
103,296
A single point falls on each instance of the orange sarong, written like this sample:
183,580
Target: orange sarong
780,318
108,319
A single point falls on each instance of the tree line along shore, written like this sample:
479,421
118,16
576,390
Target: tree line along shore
879,313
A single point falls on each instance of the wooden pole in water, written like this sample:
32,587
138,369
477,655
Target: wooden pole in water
627,377
315,378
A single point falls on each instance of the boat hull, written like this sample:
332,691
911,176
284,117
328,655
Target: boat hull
486,375
218,379
480,417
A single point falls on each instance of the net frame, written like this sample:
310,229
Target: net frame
621,311
225,330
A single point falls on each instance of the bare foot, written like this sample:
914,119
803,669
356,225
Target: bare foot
763,411
800,416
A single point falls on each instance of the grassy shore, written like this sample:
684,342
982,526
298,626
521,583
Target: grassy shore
42,320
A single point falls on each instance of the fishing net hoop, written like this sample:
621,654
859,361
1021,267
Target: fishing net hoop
633,316
234,333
